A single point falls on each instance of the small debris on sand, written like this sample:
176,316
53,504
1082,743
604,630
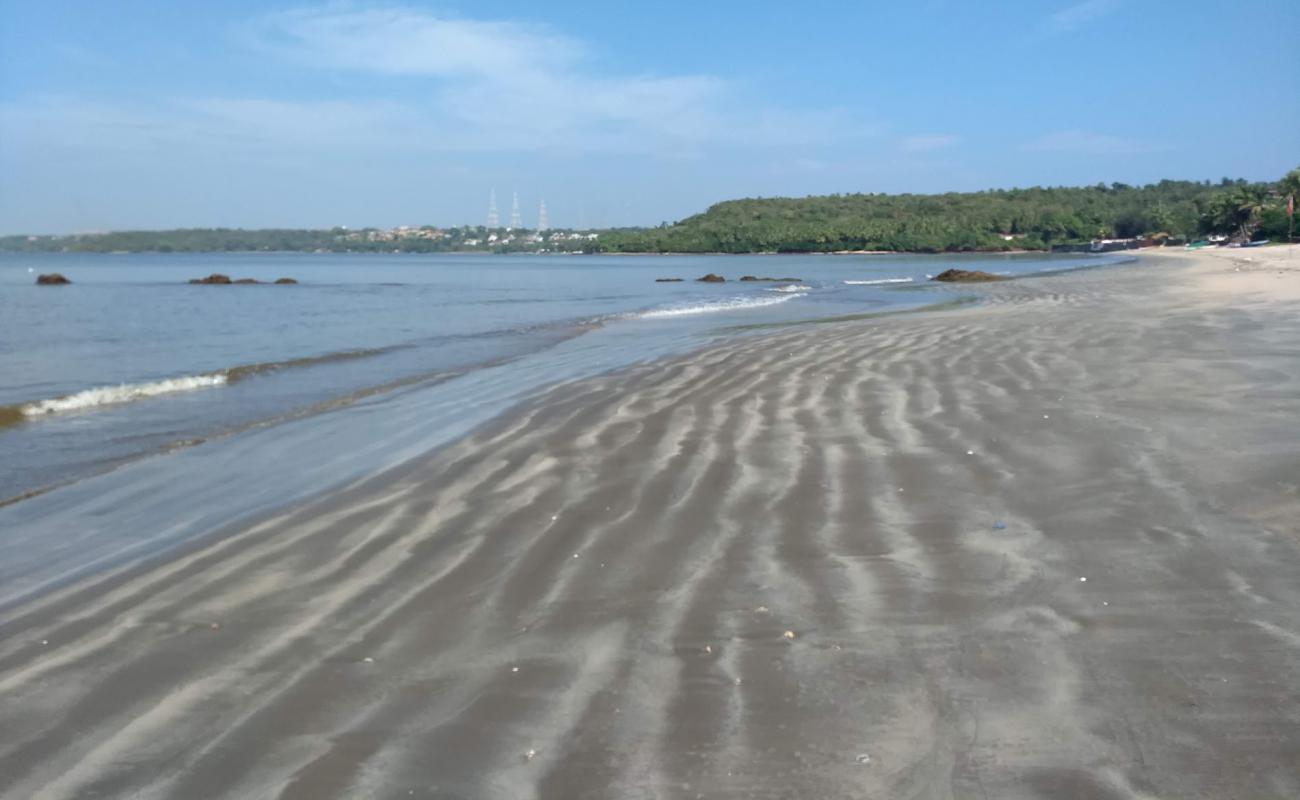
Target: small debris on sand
788,634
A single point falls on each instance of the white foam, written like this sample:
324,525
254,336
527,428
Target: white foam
879,281
793,288
125,393
714,306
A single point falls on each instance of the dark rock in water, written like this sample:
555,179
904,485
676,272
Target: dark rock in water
966,276
773,280
284,281
52,279
215,279
669,280
247,281
711,278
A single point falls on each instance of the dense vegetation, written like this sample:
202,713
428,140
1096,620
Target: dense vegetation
1011,219
1007,219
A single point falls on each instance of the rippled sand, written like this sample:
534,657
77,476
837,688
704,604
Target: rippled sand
1047,546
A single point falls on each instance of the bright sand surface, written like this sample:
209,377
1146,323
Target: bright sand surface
1043,546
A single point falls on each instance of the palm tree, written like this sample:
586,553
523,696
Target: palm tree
1247,205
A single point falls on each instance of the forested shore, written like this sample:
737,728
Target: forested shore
989,221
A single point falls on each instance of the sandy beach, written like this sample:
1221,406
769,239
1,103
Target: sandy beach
1042,546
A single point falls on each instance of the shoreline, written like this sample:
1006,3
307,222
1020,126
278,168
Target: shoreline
604,577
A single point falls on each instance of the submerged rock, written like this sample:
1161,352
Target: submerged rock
215,279
773,280
52,279
669,280
285,281
247,281
966,276
711,278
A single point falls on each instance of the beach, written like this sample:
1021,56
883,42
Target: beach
1044,545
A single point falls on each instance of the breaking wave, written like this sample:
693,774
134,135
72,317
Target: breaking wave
879,281
130,392
715,306
111,395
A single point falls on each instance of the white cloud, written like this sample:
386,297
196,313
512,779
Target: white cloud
512,85
1090,143
1079,14
927,142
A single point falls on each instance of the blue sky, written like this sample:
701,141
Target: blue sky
253,114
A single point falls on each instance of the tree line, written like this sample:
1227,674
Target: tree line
996,220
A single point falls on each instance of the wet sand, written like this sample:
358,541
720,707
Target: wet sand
1047,546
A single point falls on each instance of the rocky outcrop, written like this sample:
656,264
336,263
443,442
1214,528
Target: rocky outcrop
217,279
711,278
773,280
966,276
669,280
52,279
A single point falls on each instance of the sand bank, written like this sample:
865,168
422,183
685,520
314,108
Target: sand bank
1042,547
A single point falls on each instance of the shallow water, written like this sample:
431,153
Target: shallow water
131,361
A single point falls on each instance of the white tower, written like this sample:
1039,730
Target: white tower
494,219
542,223
515,220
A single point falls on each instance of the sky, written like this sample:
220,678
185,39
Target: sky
133,114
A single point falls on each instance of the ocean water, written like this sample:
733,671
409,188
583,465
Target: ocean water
160,410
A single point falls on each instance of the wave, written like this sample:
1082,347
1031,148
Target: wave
130,392
714,306
879,281
112,395
793,288
236,374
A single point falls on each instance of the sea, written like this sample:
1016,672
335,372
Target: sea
138,411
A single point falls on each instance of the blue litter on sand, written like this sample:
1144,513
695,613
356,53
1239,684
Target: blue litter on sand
999,526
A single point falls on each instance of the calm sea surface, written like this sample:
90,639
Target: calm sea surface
152,397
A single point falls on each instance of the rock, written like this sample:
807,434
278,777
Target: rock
285,281
52,279
669,280
247,281
966,276
711,278
215,279
772,280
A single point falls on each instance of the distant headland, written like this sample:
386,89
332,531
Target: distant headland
1002,220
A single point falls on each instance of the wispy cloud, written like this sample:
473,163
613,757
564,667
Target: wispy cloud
1089,143
927,142
523,85
1080,14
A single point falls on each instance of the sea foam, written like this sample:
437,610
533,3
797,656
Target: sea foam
125,393
879,281
715,306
